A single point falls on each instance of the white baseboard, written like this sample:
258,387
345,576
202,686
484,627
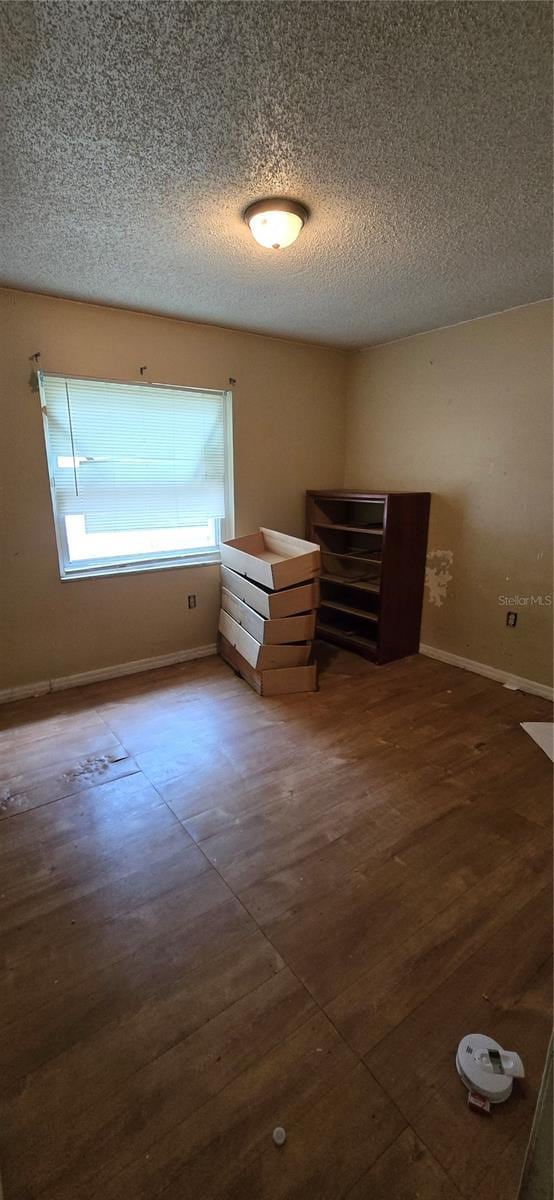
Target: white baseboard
468,664
42,687
24,690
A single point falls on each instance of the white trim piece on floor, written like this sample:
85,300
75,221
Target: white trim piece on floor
24,690
542,733
517,682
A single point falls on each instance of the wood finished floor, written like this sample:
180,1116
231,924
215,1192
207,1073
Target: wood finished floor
222,913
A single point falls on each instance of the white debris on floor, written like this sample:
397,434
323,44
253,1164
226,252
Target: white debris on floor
542,733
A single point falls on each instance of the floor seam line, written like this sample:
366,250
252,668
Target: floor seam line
458,967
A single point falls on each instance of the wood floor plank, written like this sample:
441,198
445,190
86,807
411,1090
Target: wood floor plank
62,852
314,816
57,754
367,843
330,945
25,766
319,784
165,1061
24,725
74,816
66,869
207,1153
173,727
149,1026
171,1087
480,733
72,913
194,762
327,1148
242,797
393,987
113,993
405,1171
503,1177
519,776
423,716
64,964
529,787
21,718
87,773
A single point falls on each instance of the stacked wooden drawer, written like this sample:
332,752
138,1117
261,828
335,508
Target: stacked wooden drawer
269,597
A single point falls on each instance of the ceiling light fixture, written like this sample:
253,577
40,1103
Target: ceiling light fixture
276,223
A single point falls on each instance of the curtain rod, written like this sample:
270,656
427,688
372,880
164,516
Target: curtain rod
145,383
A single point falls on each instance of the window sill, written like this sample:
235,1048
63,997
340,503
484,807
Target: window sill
142,568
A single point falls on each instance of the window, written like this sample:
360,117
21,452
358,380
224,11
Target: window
140,475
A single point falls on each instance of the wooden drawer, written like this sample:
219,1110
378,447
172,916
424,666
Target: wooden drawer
273,559
263,658
277,682
265,630
287,603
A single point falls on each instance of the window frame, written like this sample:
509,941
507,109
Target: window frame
165,560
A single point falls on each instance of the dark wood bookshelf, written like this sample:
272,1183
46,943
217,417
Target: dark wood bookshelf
373,547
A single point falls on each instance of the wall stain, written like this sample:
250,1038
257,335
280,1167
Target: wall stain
438,575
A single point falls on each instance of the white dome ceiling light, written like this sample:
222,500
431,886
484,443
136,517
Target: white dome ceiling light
275,222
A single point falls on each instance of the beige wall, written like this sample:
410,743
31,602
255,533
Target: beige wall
466,413
288,433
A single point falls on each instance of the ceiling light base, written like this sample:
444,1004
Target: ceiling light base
276,222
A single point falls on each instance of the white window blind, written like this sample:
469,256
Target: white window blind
136,457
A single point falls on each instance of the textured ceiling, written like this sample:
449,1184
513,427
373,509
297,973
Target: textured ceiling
417,133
